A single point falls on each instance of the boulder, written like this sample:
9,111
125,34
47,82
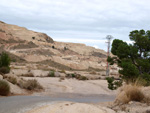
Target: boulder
57,74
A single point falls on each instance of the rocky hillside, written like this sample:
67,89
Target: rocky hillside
35,47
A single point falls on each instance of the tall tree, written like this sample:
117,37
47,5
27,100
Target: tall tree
133,59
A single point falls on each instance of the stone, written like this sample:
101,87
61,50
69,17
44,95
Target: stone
57,74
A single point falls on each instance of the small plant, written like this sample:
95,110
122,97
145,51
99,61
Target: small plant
33,38
29,84
113,84
53,47
73,75
4,63
82,78
51,74
65,48
32,85
4,88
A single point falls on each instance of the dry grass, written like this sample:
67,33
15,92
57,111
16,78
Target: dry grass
30,84
130,93
93,73
4,88
28,75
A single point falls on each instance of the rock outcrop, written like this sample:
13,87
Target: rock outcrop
39,48
14,32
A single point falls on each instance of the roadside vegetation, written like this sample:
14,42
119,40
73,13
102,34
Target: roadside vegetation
4,63
134,62
30,84
4,88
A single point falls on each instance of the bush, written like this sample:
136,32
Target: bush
4,63
82,78
30,84
4,60
113,84
51,74
130,93
4,88
4,70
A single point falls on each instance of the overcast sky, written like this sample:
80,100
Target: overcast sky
81,21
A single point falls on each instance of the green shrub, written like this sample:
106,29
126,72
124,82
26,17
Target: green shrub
113,84
4,63
4,88
73,75
4,60
51,74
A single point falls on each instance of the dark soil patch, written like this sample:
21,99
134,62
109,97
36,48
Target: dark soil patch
25,46
98,54
43,52
55,64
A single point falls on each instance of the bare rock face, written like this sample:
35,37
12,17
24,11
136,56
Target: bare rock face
8,31
38,47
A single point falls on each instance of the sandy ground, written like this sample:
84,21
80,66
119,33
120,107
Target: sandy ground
73,86
70,107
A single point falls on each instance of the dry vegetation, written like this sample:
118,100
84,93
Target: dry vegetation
28,75
29,84
4,88
131,93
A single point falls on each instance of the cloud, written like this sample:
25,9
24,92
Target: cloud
95,46
78,19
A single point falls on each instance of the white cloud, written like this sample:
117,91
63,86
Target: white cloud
96,47
78,19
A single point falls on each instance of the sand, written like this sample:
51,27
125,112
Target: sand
70,107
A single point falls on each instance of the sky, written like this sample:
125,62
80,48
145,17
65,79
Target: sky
79,21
